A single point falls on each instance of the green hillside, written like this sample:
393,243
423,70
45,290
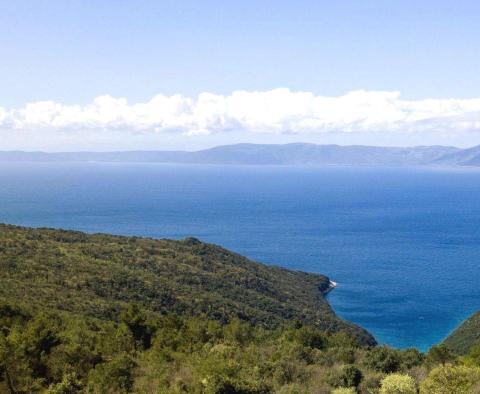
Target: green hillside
97,275
103,314
48,352
465,336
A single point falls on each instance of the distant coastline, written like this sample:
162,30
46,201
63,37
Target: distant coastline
272,154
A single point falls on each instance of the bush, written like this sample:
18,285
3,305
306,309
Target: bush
351,376
69,385
383,359
115,376
371,382
398,384
344,390
226,385
292,389
310,337
473,356
135,318
411,358
450,379
348,376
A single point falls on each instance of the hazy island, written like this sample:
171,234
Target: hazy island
273,154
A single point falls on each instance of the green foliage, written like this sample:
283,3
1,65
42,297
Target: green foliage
309,337
293,389
348,376
384,359
99,275
371,382
464,337
450,379
410,358
344,390
59,352
473,357
119,315
439,354
114,376
238,332
351,376
63,353
70,384
135,318
398,384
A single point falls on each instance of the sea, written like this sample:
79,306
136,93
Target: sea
403,244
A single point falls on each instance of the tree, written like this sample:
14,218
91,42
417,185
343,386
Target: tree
411,358
383,359
351,376
114,376
348,376
23,353
398,384
439,354
136,320
310,337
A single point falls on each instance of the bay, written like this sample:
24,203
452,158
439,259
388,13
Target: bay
403,244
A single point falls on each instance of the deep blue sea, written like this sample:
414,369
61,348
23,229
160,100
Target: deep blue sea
403,244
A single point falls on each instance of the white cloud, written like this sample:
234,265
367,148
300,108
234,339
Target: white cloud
278,111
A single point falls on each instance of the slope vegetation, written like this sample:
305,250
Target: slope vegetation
98,275
466,335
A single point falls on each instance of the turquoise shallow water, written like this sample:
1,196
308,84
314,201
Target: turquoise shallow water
403,244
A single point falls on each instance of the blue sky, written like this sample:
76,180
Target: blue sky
71,52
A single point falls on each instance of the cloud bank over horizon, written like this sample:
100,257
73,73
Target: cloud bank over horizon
274,112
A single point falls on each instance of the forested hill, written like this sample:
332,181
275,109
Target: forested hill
466,336
98,275
86,313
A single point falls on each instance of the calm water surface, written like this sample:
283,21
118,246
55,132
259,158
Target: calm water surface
403,244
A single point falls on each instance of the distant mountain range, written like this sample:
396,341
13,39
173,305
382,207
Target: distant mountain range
288,154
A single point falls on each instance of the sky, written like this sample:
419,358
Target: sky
119,75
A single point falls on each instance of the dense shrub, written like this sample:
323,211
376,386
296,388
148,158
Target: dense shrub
451,379
398,384
348,376
383,359
344,390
